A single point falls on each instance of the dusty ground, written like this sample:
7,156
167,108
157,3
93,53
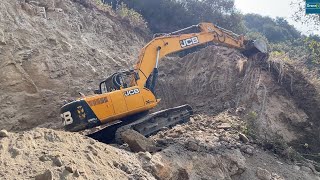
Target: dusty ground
210,148
66,156
49,56
205,148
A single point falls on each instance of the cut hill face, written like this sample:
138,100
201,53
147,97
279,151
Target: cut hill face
278,101
51,50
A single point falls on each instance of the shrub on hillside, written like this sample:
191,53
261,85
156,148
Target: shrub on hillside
132,16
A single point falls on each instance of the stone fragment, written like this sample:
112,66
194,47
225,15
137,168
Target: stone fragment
224,126
243,138
145,155
69,168
306,169
4,133
77,173
137,142
37,135
193,146
263,174
44,158
14,152
297,168
276,177
47,175
57,161
236,162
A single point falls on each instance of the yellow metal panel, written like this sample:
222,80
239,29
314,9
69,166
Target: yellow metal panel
118,101
122,103
101,105
133,98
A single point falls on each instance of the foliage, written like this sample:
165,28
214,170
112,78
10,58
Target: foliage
284,40
95,4
170,15
275,30
313,45
250,128
132,16
279,55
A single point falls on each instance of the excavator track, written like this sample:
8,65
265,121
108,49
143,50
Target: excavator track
152,123
144,123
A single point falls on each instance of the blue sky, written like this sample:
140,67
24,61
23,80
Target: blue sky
272,8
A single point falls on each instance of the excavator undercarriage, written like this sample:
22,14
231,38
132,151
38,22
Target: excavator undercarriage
144,123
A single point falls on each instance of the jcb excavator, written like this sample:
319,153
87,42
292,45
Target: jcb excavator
126,94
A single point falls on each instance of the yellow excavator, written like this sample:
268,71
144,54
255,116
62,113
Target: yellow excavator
125,97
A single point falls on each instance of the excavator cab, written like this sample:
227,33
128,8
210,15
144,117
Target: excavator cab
115,82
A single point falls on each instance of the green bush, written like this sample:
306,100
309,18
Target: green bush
132,16
171,15
313,45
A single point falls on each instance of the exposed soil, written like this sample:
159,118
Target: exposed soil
284,107
51,50
66,156
207,147
306,95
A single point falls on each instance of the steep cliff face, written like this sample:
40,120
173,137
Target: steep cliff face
50,51
279,101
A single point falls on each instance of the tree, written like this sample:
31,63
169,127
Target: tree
276,30
313,44
170,15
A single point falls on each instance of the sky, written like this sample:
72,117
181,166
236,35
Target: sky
272,8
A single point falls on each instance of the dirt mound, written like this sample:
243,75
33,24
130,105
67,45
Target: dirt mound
211,147
50,51
65,156
207,147
277,107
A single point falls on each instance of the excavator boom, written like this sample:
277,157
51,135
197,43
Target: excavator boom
177,41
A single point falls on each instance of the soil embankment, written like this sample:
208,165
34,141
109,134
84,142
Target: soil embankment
50,51
280,103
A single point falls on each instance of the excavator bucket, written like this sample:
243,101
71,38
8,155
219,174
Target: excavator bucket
254,47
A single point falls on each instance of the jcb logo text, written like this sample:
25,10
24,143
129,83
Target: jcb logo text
188,42
132,92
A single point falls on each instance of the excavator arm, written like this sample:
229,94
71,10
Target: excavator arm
174,42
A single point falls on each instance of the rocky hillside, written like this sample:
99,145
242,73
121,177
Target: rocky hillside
279,102
208,147
51,50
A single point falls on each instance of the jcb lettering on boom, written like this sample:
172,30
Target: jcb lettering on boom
132,92
189,42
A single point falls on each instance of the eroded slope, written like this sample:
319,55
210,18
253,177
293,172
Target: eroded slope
50,51
276,106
